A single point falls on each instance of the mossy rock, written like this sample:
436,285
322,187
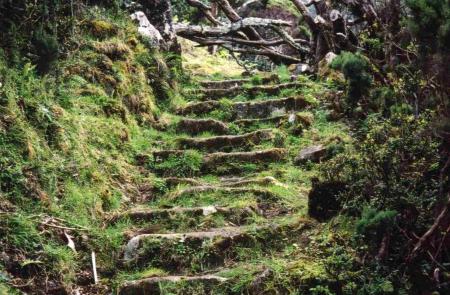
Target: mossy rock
101,28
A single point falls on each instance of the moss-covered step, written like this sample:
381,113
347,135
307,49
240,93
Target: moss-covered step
223,181
202,284
197,126
176,162
185,217
251,109
217,93
237,82
194,190
212,161
195,252
223,142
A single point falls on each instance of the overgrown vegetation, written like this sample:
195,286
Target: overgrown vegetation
86,105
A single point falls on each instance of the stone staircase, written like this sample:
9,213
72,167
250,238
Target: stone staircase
203,224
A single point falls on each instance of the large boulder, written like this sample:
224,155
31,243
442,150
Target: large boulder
312,153
146,29
323,199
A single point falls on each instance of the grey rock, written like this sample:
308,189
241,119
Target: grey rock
312,153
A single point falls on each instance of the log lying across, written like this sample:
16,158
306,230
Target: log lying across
186,30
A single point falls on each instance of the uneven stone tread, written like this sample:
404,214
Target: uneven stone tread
150,286
251,90
226,141
224,181
209,160
264,156
159,248
249,122
211,188
197,126
135,243
151,214
250,109
237,82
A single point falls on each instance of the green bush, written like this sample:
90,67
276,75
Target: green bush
394,166
430,22
355,69
374,224
47,50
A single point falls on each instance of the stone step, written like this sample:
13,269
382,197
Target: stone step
251,109
194,190
197,126
207,250
223,142
224,181
154,215
152,286
211,161
270,120
218,93
236,82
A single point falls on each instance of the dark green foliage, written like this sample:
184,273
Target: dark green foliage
395,164
323,199
430,22
47,50
374,224
355,69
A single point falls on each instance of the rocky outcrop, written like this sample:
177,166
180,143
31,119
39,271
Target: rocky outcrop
146,29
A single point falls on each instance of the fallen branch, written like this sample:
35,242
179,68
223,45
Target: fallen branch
206,10
265,52
185,30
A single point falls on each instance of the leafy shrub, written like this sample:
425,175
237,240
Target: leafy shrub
355,69
394,166
47,50
373,224
283,73
430,19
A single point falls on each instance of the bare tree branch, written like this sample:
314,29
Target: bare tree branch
185,30
206,10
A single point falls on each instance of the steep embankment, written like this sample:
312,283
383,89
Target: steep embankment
68,142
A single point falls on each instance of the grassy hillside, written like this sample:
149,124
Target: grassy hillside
68,142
